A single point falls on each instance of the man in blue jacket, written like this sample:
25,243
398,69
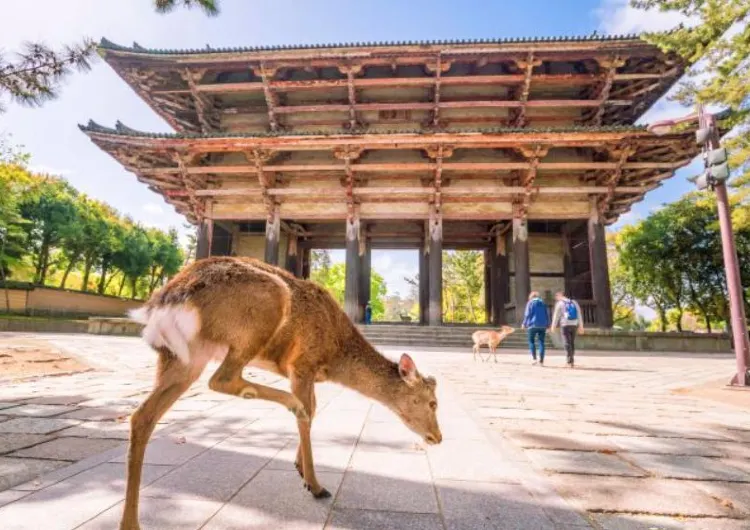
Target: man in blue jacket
536,320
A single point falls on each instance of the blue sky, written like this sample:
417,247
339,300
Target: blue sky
57,146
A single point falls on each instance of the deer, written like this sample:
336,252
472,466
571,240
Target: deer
244,312
491,339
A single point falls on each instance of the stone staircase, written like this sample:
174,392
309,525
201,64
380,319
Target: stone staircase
436,337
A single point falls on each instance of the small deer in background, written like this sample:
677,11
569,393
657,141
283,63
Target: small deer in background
491,339
246,312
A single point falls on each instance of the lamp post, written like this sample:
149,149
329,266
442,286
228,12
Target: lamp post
715,177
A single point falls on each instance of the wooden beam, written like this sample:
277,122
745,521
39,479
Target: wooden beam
435,235
266,74
394,82
528,67
602,96
203,107
415,166
521,265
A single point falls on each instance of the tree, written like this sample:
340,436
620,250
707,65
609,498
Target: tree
166,257
36,73
134,258
463,286
14,180
717,42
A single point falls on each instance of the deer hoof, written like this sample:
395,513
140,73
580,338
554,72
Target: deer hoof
321,494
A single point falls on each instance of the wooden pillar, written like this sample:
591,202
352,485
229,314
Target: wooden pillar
568,273
353,262
292,255
435,305
273,233
424,277
364,276
599,268
203,241
499,280
305,265
521,262
488,269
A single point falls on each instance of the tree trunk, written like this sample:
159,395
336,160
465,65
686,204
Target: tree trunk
103,278
133,282
43,262
86,272
122,285
72,264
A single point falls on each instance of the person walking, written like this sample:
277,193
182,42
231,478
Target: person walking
368,313
536,320
569,319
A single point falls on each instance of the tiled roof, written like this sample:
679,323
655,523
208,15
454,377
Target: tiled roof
122,130
593,37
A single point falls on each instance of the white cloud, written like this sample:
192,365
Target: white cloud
153,208
618,17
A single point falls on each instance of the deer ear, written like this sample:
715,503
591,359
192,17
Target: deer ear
407,369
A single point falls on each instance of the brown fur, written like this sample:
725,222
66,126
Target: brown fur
491,339
293,327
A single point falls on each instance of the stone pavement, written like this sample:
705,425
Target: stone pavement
220,463
618,436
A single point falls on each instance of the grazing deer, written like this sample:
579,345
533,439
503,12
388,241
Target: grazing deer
246,312
491,339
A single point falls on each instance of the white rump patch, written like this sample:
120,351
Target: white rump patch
173,327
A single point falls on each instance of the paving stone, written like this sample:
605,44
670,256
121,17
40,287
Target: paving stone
670,446
564,441
8,496
11,442
388,481
497,412
215,475
73,501
19,470
100,413
65,448
161,514
62,399
38,411
260,504
652,522
688,467
7,405
731,494
470,460
370,520
36,425
637,495
100,429
389,437
170,451
582,463
479,506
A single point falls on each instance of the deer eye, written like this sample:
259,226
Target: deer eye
433,405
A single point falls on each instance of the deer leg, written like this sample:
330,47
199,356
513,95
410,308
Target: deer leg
302,388
228,380
172,380
475,349
311,412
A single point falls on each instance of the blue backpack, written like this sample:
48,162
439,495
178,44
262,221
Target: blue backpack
571,311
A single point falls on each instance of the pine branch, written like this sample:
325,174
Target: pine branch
209,7
35,75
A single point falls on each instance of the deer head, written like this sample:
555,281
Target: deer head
414,401
506,330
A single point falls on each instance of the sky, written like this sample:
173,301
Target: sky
51,135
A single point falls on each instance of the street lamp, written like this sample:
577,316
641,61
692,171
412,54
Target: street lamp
714,177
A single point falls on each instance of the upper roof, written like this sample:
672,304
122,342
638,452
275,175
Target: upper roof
434,85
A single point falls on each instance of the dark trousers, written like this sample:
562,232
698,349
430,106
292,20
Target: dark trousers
533,334
569,341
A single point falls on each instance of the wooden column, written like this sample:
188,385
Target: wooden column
292,255
353,262
273,232
305,265
568,273
488,269
499,280
599,268
203,242
435,315
424,277
521,262
365,274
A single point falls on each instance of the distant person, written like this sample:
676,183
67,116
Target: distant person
536,320
368,313
569,318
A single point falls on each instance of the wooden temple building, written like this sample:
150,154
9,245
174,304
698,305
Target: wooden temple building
523,148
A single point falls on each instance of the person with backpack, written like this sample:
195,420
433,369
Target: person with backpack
569,318
536,320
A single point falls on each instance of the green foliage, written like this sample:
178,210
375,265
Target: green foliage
67,237
209,7
672,262
463,286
